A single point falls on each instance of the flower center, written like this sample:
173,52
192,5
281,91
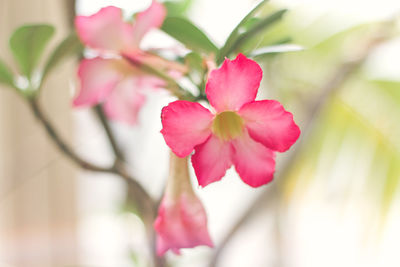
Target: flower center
227,125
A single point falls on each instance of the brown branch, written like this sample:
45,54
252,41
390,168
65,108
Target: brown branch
146,206
70,6
145,200
148,209
60,143
327,90
119,156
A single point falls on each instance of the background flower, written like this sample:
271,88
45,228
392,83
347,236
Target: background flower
115,81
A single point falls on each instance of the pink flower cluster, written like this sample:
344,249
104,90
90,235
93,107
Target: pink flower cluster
236,130
109,78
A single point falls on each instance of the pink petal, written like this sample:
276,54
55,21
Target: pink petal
181,223
152,17
211,160
270,124
235,83
254,163
185,125
106,30
125,102
98,77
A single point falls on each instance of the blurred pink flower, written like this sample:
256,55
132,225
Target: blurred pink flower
182,220
110,78
241,132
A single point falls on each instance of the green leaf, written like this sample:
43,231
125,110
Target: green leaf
391,184
27,44
196,70
177,8
391,88
225,50
249,24
188,34
275,49
262,25
6,76
68,47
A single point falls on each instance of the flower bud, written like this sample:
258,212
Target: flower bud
182,220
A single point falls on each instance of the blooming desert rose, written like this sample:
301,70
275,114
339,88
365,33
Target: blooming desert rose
239,131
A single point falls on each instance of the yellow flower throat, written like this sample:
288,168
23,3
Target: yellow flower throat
227,125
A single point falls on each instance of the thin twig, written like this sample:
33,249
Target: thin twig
141,194
61,144
147,207
119,156
330,88
174,87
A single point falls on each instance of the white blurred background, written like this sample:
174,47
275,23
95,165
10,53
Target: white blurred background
331,221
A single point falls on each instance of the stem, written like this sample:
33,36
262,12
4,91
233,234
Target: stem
67,151
60,143
70,12
119,156
146,206
327,91
173,86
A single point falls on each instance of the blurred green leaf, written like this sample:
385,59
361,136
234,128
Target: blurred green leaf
262,25
392,88
275,49
226,49
6,77
386,159
249,24
27,44
188,34
129,207
195,64
177,8
68,47
391,184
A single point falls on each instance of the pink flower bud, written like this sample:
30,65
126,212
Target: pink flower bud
182,220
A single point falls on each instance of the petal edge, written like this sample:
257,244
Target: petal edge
270,124
254,162
185,125
234,84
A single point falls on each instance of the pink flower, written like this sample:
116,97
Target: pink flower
109,78
241,132
182,220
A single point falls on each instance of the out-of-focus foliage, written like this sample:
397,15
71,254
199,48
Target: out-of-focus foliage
274,49
177,8
27,45
68,47
6,76
356,144
196,69
248,28
188,34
